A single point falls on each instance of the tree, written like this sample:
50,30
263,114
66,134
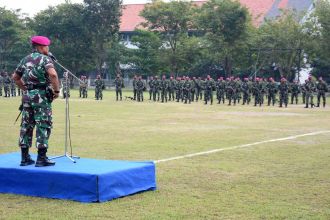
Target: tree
284,39
172,21
147,56
225,24
14,38
102,17
317,29
64,24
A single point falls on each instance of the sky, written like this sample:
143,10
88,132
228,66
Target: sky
32,7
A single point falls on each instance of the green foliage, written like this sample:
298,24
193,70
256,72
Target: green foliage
148,55
14,38
226,24
65,25
283,37
173,20
318,31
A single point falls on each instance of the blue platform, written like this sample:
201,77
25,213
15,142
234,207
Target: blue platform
88,180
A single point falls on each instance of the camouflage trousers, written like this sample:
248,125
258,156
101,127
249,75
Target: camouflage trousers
37,112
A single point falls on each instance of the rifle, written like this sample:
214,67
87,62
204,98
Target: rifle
20,108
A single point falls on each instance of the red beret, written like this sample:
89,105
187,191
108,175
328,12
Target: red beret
40,40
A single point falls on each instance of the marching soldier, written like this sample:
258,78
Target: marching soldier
257,88
322,88
1,83
6,83
187,87
178,89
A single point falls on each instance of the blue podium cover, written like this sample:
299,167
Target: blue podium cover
88,180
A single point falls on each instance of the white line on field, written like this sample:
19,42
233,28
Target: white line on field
241,146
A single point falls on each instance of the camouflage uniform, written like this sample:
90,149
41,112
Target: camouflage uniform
84,85
220,88
151,86
156,87
1,84
178,89
199,89
37,109
171,88
139,89
163,85
230,90
322,88
309,88
6,83
99,86
66,88
257,87
119,84
246,92
295,90
12,88
284,90
271,92
134,87
209,85
187,87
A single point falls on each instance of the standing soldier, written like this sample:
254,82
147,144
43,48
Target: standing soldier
295,90
171,88
99,86
230,90
187,87
309,88
271,91
193,89
178,89
34,75
1,83
209,86
163,85
284,90
199,92
322,88
151,85
246,91
119,84
81,86
257,87
12,88
156,93
139,89
84,86
134,87
6,83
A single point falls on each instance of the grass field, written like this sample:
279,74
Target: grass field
287,179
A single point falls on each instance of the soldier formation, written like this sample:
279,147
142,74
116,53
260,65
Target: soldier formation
231,90
8,87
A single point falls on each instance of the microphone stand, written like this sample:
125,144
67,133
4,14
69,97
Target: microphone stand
67,119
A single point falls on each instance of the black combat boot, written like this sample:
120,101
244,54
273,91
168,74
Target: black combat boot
26,158
42,160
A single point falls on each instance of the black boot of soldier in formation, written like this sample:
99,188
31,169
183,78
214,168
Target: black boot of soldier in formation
26,158
42,160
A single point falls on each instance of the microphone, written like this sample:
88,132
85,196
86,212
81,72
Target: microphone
52,56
